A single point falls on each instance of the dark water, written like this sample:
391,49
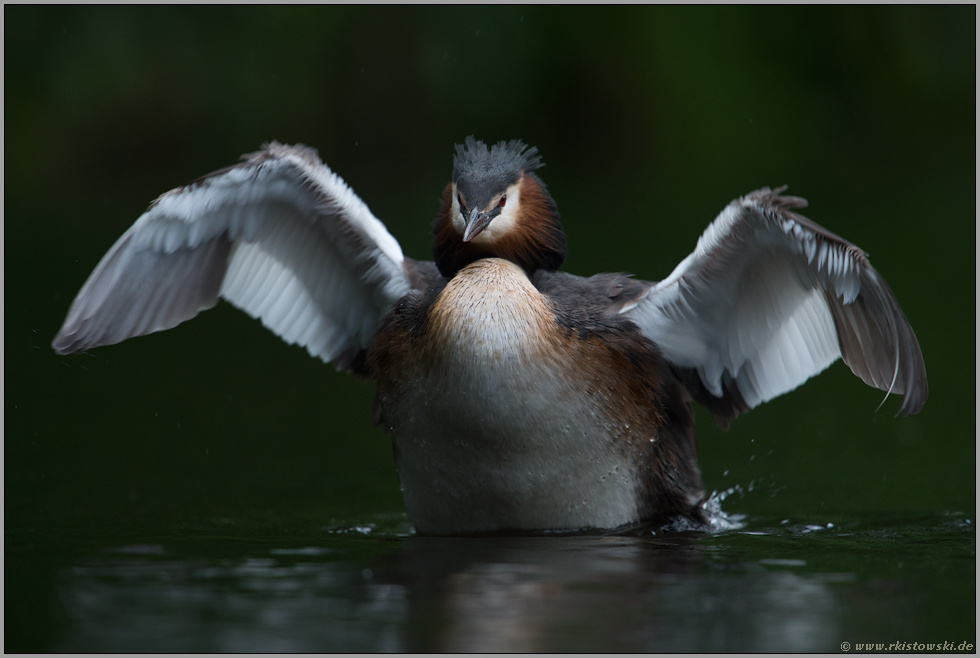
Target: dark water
213,489
767,587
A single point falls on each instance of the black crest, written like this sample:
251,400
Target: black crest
480,175
493,169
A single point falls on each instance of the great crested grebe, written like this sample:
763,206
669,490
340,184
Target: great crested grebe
519,398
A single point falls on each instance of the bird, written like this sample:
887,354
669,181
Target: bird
519,398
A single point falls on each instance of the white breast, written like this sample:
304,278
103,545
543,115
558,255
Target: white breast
493,428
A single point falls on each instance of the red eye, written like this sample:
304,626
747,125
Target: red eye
459,198
503,201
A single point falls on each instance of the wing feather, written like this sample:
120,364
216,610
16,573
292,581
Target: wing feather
767,300
279,236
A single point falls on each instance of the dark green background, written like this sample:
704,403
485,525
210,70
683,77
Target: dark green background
650,120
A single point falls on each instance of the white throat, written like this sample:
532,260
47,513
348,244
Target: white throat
501,225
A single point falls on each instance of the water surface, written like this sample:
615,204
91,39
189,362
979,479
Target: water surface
769,588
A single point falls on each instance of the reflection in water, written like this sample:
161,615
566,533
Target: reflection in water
615,594
255,605
498,594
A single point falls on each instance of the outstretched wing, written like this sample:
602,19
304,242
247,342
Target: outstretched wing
280,236
767,300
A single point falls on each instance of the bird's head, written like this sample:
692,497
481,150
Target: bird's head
496,206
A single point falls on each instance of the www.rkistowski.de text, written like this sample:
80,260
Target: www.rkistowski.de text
908,646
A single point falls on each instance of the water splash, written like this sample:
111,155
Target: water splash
718,519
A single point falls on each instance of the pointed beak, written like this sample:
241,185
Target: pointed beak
475,224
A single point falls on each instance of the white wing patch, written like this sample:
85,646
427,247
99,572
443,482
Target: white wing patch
769,299
280,236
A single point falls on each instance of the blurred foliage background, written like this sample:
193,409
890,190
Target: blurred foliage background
650,120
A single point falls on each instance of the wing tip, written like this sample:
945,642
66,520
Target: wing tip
275,149
773,199
61,345
69,342
916,388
